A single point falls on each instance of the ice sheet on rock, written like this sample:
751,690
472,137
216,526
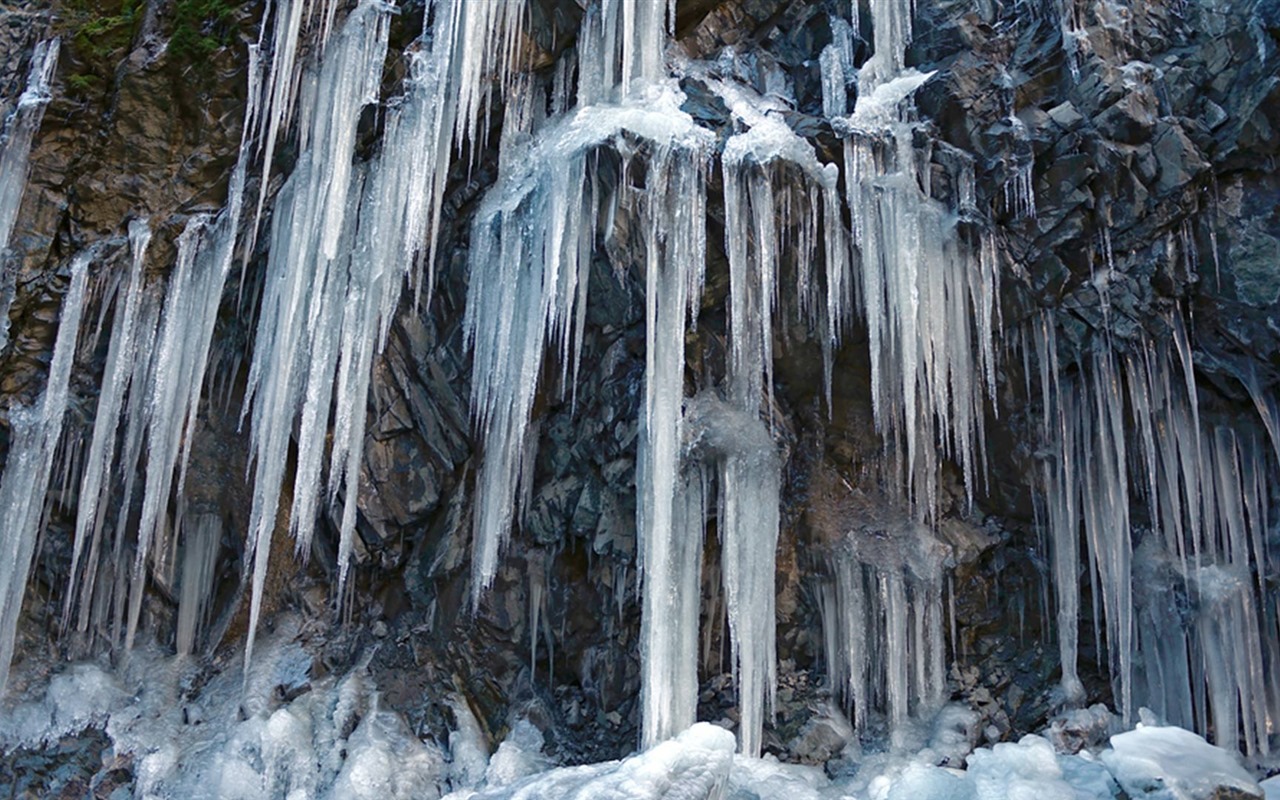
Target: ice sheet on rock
517,757
1170,763
35,433
276,732
385,760
768,778
883,106
468,751
693,766
80,696
16,135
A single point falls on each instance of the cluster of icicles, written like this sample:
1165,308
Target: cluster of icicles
347,237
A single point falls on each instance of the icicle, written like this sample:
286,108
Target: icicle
891,23
35,435
887,647
124,366
309,296
756,224
1184,614
835,101
1019,192
928,296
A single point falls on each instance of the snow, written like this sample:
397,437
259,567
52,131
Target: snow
1170,763
693,766
1271,786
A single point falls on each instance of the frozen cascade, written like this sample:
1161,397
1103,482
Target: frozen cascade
16,136
528,289
126,363
528,282
929,305
180,359
883,616
928,278
344,240
36,431
307,306
153,380
1184,625
764,204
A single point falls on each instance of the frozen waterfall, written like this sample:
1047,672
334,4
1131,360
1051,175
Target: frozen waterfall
619,149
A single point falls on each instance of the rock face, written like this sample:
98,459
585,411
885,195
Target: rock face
1126,163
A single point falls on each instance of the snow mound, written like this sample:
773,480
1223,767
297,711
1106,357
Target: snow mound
1170,763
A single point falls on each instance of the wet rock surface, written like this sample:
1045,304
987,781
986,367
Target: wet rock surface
1151,158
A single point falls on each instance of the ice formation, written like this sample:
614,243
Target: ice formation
883,618
36,431
928,278
1185,632
1189,628
345,239
310,314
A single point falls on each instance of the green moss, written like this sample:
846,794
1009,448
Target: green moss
100,31
200,27
83,82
